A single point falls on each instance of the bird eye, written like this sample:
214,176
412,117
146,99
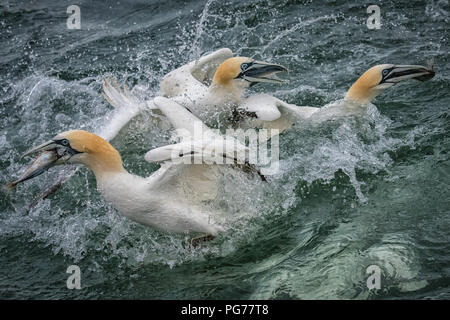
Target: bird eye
244,66
65,142
385,72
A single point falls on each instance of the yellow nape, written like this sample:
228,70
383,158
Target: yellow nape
364,89
229,70
96,153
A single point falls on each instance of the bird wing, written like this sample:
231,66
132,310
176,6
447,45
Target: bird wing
274,113
192,169
197,140
185,123
126,107
264,106
196,75
192,182
184,190
204,68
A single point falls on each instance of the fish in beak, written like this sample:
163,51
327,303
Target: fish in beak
52,153
42,163
259,71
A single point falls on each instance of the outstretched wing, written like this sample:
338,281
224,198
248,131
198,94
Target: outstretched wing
197,140
126,107
192,168
194,75
204,68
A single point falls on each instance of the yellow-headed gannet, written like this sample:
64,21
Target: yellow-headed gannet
188,85
211,87
170,199
274,113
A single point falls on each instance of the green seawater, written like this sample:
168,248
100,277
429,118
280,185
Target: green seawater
357,191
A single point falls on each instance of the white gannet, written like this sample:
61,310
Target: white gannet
211,87
273,113
187,85
258,110
170,199
192,87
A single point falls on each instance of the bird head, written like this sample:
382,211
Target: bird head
243,72
383,76
82,147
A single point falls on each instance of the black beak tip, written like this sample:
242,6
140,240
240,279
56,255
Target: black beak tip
283,69
431,73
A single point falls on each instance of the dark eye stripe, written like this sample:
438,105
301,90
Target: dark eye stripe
385,75
388,71
63,142
246,65
66,143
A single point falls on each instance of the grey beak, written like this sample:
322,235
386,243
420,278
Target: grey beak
260,71
403,72
43,147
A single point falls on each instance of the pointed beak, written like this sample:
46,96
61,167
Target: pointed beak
404,72
49,145
51,154
260,71
62,153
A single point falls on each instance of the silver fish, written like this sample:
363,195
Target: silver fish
44,161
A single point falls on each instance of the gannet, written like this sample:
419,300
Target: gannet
188,85
156,201
211,87
261,110
169,199
273,113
